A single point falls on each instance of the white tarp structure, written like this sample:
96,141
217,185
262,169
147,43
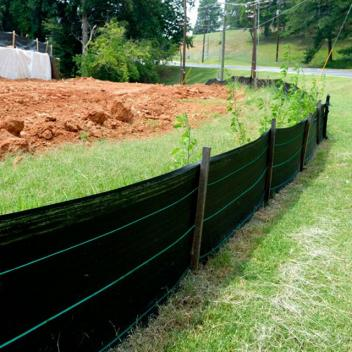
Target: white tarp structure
19,64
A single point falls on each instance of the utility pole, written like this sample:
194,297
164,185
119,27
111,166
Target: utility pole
206,25
258,2
203,49
254,53
278,35
223,44
278,13
183,69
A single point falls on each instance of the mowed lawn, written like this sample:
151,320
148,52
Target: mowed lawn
239,50
284,282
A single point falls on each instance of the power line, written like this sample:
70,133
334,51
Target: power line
283,12
338,36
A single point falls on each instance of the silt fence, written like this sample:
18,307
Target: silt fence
78,275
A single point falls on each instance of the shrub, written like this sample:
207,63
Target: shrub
111,56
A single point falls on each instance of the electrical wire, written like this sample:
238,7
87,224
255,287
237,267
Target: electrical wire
337,38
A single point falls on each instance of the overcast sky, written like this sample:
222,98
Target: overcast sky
193,13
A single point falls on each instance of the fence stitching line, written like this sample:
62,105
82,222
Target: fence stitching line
288,142
231,234
96,293
96,238
291,178
238,197
238,170
289,159
139,318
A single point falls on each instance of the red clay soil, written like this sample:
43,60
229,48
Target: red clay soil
39,114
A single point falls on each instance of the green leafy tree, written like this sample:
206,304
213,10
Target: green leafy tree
208,18
71,25
111,56
321,20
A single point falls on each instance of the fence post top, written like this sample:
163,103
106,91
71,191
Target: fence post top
273,123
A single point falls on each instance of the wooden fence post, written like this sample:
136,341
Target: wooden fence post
14,39
305,142
202,194
319,115
270,162
326,115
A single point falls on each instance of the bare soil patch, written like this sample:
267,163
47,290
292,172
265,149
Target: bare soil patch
38,114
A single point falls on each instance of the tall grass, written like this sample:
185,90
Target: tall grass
73,171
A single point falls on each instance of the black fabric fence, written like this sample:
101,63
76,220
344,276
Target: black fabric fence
78,275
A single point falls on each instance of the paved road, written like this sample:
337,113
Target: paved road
308,71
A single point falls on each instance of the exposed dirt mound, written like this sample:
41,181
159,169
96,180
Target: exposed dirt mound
40,114
11,144
15,127
120,112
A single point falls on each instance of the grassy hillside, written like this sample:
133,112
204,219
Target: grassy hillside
284,282
239,50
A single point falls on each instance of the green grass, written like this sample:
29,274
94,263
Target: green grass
239,50
74,171
284,282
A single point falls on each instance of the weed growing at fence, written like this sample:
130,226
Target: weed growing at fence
234,109
183,153
290,105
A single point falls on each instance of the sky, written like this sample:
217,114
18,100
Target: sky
193,13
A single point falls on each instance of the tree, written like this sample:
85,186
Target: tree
208,19
322,20
111,56
71,25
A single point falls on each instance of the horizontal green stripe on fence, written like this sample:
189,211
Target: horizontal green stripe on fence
97,237
289,159
238,170
237,198
96,293
300,136
226,238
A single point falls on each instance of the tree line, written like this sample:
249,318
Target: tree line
317,21
147,31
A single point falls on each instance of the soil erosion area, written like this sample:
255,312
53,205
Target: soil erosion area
38,114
